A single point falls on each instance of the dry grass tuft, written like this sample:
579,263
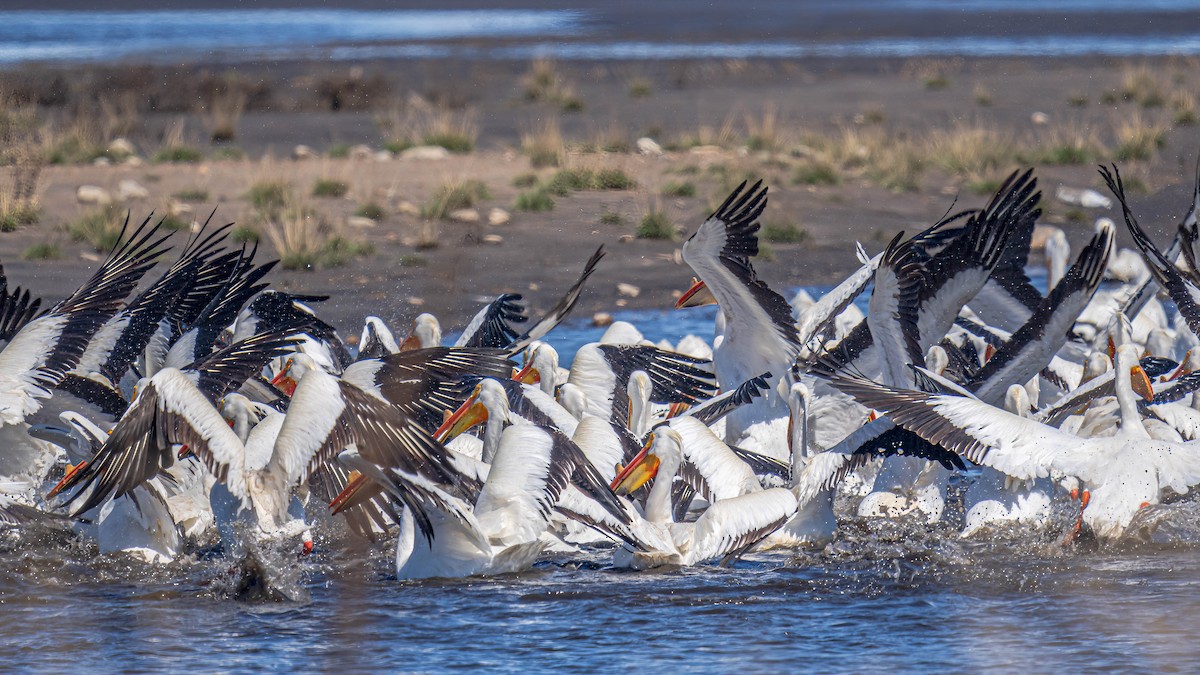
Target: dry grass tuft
545,147
544,84
454,195
305,241
1140,84
1138,138
763,131
419,122
100,229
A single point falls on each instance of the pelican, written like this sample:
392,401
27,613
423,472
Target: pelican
1120,474
725,530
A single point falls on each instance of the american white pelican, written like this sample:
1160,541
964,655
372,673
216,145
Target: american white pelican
760,335
725,530
1121,473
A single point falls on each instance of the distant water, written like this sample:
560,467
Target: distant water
854,28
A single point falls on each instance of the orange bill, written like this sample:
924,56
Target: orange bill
69,479
1141,383
469,414
696,296
640,470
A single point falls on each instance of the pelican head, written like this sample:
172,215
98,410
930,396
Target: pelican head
697,295
663,445
489,401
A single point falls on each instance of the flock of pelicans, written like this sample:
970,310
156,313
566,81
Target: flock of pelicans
210,408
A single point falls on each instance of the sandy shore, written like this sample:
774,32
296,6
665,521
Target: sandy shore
771,119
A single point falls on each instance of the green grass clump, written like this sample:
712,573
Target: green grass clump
611,218
679,189
191,195
535,200
655,225
565,181
525,180
640,87
244,234
339,151
453,196
397,145
42,251
181,154
784,233
16,215
612,179
371,210
339,250
100,229
74,149
327,187
456,143
816,173
269,197
1067,154
228,152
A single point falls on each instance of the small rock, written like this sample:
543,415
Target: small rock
383,156
415,301
128,190
101,161
628,290
601,319
178,208
90,257
425,152
134,160
1087,198
361,152
533,286
707,150
303,152
360,221
121,147
464,215
647,146
625,238
493,239
92,194
621,302
408,208
498,216
1039,118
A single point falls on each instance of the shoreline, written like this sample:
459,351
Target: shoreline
852,151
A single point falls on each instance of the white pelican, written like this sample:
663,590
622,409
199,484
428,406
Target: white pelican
760,335
1120,473
724,531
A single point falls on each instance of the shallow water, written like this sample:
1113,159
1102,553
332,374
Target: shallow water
858,28
883,596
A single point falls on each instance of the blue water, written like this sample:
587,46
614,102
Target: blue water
1040,29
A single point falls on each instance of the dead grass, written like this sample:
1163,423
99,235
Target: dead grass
452,196
545,146
100,228
304,240
544,84
1140,84
1183,108
1065,146
419,122
1138,138
724,136
969,149
762,132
